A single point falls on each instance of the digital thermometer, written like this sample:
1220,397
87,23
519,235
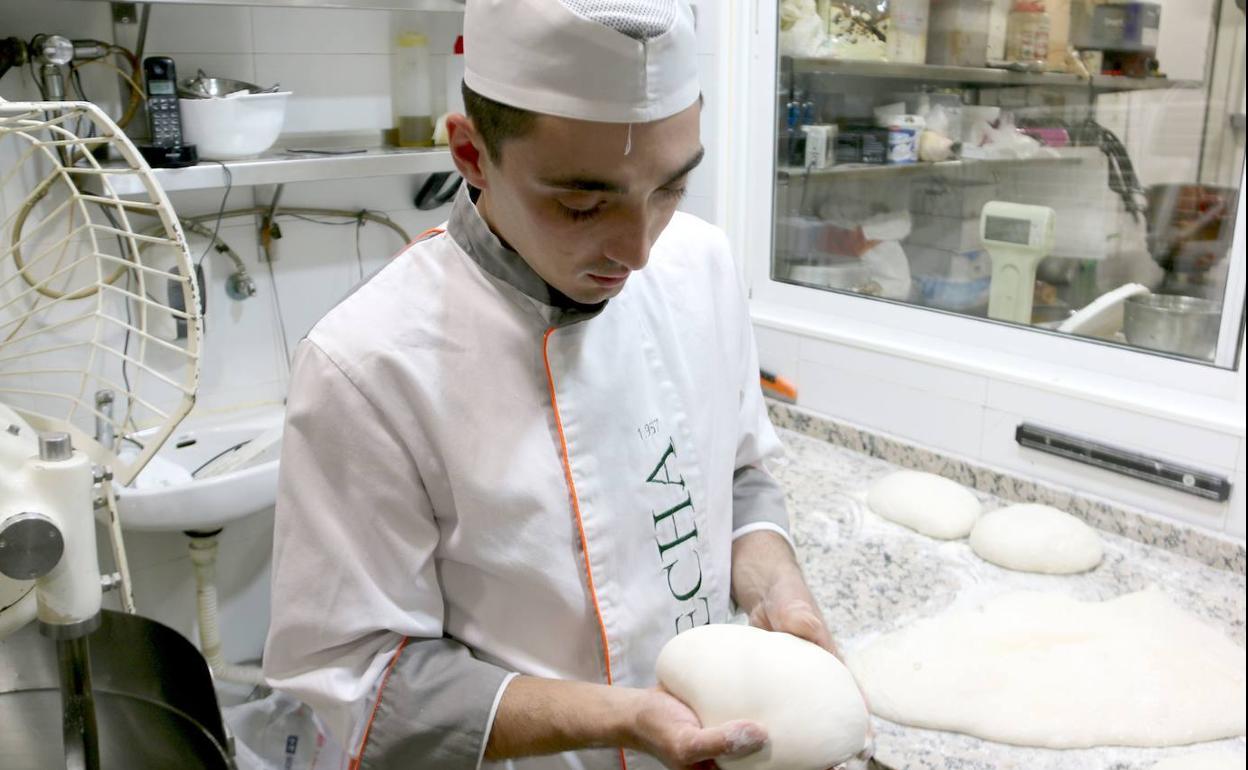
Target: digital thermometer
1016,237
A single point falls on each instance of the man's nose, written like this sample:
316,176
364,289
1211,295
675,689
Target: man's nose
630,241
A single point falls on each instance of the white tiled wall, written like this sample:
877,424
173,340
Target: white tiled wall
337,63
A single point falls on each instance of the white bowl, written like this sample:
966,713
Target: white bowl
234,127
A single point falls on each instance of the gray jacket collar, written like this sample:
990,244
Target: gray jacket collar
498,259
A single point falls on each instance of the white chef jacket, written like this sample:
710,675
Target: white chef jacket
481,478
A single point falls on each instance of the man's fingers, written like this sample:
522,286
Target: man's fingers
758,617
802,621
734,739
743,738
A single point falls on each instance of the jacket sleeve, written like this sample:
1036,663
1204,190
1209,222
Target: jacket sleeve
757,498
357,619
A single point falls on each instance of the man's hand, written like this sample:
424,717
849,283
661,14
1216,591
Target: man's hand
667,729
546,716
768,584
788,606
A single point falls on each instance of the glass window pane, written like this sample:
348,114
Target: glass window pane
1071,166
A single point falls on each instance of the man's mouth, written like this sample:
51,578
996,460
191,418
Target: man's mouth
609,281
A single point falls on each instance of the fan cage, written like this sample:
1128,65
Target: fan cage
98,296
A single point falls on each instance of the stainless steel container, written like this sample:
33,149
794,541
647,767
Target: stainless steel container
1187,326
154,701
204,86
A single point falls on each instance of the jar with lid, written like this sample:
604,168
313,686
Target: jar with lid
411,91
1027,33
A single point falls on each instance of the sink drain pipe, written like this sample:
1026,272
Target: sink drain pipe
203,548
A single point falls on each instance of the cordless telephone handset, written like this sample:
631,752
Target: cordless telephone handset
164,118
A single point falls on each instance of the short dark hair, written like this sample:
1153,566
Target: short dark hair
496,122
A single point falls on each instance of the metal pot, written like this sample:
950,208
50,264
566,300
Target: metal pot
154,701
1174,324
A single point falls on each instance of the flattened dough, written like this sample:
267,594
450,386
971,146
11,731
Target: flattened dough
1036,538
1205,760
1038,669
927,503
805,698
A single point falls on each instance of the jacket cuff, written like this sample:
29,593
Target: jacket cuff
435,708
758,504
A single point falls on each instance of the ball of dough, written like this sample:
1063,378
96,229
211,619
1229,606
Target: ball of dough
805,698
926,503
1036,538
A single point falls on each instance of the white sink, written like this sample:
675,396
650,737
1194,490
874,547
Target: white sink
168,496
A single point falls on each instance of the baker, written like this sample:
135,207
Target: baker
530,450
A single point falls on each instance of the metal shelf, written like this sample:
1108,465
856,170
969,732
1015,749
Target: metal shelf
451,6
277,166
979,76
913,169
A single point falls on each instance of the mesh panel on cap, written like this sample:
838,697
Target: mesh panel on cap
639,19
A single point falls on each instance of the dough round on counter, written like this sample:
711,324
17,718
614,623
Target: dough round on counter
1045,670
930,504
1205,760
1036,538
806,699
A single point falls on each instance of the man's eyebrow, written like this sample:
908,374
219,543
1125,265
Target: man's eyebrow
582,184
590,184
688,167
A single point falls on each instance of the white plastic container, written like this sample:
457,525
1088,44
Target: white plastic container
412,97
819,140
903,138
233,127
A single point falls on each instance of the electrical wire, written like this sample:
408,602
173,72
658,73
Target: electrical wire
76,82
1122,178
359,256
277,305
130,79
60,260
216,230
125,354
303,212
75,79
19,224
220,454
34,76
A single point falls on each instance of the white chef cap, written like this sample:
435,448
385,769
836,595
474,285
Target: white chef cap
613,61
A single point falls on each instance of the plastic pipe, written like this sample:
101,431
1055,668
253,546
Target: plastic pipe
203,549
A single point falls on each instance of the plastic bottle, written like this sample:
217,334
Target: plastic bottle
1027,33
412,101
907,37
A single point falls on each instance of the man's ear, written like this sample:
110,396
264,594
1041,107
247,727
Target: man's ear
467,149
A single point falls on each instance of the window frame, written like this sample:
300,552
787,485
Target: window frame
1136,379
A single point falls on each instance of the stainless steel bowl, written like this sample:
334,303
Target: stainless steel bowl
154,701
203,86
1187,326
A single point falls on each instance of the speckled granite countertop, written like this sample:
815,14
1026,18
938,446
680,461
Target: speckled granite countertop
872,576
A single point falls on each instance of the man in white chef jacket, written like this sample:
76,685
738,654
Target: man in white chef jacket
529,451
